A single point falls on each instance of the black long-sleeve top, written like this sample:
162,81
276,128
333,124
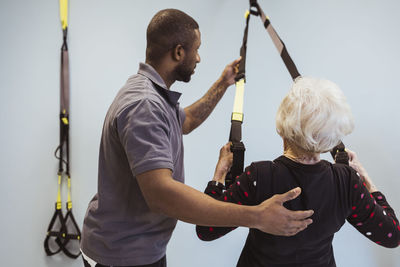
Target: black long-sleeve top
334,191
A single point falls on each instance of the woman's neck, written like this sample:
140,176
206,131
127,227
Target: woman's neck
299,155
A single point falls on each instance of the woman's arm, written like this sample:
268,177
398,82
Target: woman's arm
355,163
371,214
242,192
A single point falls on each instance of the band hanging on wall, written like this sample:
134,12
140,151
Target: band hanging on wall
63,229
235,137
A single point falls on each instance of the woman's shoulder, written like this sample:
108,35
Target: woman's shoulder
343,170
261,167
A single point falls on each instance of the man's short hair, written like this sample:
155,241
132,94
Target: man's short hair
167,29
314,115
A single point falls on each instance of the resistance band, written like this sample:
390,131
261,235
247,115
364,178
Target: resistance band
62,235
338,153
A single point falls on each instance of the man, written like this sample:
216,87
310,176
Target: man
140,185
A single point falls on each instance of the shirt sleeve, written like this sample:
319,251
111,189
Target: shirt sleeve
242,192
144,131
372,215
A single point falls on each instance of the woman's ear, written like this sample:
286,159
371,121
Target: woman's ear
178,53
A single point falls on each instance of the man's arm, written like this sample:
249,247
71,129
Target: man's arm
202,108
165,195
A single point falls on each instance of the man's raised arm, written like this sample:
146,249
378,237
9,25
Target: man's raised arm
202,108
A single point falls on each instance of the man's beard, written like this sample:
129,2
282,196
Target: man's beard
183,72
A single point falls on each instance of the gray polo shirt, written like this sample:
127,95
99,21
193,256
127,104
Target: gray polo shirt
142,131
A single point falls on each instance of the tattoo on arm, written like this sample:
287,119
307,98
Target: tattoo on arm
202,108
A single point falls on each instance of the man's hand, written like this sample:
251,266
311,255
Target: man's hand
174,199
224,163
229,73
202,108
277,220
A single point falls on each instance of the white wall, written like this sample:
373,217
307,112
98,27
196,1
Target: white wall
354,43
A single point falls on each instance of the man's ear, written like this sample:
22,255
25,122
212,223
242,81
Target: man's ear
178,53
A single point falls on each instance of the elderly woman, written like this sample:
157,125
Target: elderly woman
312,119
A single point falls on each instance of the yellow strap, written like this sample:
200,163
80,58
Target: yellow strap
59,193
246,14
69,202
64,13
237,113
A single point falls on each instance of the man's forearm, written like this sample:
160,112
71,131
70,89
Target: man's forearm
177,200
192,206
202,108
182,202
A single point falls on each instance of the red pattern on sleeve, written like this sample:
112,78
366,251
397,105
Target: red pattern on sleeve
242,192
372,216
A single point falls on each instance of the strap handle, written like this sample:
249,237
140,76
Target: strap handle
64,233
58,235
339,154
62,237
70,235
75,234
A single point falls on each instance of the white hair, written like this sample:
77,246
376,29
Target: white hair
314,115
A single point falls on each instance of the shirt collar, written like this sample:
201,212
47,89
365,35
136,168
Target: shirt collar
152,74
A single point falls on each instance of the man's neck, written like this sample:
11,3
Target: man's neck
164,71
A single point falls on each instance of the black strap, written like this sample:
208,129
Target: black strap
338,153
243,52
61,237
237,148
235,135
73,233
279,44
54,234
68,228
